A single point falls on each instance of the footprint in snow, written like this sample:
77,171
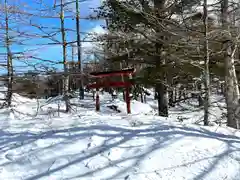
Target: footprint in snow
9,157
126,177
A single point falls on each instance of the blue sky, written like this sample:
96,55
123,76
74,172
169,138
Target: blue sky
54,52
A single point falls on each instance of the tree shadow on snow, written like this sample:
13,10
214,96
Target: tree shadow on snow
156,138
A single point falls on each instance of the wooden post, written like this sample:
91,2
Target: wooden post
97,100
128,100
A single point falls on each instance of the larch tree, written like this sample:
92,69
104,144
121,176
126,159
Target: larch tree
79,52
9,55
231,82
206,64
65,63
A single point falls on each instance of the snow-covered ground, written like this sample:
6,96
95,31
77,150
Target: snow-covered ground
38,142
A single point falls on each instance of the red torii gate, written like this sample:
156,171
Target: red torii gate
103,83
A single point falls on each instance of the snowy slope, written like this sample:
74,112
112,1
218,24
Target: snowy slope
107,145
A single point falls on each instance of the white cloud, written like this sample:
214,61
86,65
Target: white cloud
85,6
89,48
93,33
98,30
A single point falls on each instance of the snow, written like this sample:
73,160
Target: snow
136,107
38,143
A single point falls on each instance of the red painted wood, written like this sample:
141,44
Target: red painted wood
110,84
125,72
97,101
128,100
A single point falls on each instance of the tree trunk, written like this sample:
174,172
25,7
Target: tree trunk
9,58
161,87
122,77
171,98
64,46
80,82
175,94
141,96
200,99
206,66
162,100
231,84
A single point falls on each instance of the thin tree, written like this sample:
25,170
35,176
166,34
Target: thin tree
9,57
64,46
161,87
231,83
206,64
80,83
